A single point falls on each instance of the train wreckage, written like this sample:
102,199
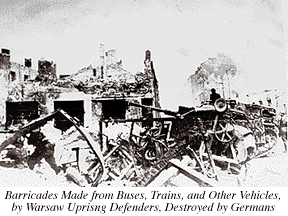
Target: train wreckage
199,142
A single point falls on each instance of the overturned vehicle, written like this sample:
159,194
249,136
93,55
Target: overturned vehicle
215,138
212,136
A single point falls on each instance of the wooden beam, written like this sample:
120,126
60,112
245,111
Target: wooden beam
193,174
224,159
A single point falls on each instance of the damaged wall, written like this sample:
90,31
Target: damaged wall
87,85
218,73
222,74
46,71
115,83
13,78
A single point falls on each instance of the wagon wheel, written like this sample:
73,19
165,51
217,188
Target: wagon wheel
224,131
152,154
207,163
152,149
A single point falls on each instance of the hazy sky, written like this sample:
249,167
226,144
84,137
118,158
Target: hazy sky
180,34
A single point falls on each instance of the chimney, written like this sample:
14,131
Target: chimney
5,57
148,55
102,59
102,54
28,62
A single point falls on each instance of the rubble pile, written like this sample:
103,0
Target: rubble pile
206,145
124,83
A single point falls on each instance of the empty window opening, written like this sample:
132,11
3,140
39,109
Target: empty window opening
64,76
102,72
146,113
73,108
12,76
113,109
18,112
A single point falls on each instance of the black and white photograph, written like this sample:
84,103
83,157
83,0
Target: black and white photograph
142,93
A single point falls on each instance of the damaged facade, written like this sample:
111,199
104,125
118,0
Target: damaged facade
13,78
215,73
89,94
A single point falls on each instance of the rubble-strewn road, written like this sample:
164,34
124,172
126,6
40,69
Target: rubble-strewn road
270,171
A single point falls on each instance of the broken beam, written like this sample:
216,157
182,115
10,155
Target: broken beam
224,159
193,174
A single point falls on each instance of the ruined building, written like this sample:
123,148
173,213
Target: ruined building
218,73
47,71
89,94
13,77
222,74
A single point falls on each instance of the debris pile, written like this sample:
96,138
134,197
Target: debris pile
124,83
206,145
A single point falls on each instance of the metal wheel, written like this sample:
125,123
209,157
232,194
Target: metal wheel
224,131
151,149
153,153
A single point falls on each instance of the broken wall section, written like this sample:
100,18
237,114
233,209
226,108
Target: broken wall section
85,85
46,71
13,77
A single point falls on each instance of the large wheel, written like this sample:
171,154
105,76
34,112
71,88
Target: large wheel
153,152
224,131
148,145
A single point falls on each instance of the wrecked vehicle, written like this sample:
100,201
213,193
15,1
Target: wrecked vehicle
216,138
209,135
261,121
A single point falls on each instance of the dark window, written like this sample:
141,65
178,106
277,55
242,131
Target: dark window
63,76
114,109
73,108
147,102
12,76
16,112
94,71
147,114
25,77
102,72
